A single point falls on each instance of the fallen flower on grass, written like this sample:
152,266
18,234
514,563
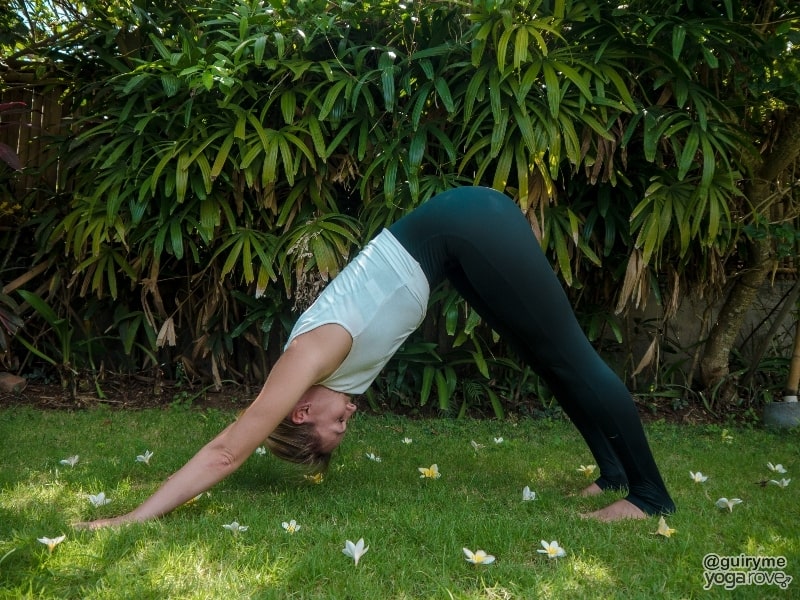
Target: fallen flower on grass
528,494
373,457
355,551
664,529
431,472
70,461
98,499
316,478
196,498
498,440
729,504
145,458
552,550
475,445
52,542
779,468
407,440
261,451
479,557
235,528
726,437
291,526
781,483
587,469
698,477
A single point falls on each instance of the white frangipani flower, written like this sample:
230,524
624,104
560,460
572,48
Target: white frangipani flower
431,472
373,457
663,528
261,451
498,440
479,557
781,483
98,499
52,542
291,526
145,458
407,440
70,461
729,504
779,468
528,494
552,550
355,551
475,445
698,477
196,498
316,478
235,528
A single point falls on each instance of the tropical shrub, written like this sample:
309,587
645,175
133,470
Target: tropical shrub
228,157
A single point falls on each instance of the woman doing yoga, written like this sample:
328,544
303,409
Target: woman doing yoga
478,239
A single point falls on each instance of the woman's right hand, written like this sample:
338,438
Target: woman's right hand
101,523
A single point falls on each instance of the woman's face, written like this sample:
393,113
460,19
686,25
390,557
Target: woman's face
329,412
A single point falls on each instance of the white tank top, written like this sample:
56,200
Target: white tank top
380,298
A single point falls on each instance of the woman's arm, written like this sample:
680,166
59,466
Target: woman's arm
310,358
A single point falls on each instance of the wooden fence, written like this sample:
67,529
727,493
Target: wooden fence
31,131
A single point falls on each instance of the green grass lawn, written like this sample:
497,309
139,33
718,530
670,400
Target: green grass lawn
415,527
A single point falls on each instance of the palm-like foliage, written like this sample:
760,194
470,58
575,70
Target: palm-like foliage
241,145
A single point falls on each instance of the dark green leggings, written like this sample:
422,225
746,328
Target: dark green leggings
478,239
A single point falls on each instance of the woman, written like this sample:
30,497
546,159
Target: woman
478,239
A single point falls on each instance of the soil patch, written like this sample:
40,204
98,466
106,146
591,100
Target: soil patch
131,392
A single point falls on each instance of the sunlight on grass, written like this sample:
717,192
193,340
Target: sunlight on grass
591,571
415,527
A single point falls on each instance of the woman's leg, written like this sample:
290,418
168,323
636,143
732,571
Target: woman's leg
612,473
478,237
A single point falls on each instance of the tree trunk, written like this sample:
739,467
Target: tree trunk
761,192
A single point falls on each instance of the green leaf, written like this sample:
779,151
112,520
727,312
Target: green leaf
170,83
416,150
502,48
678,39
182,175
317,138
553,88
160,47
574,77
176,239
480,362
503,168
497,406
562,257
288,106
521,47
686,159
442,391
41,307
443,91
428,374
222,156
499,132
330,99
475,91
259,45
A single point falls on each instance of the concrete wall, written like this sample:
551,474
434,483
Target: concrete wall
685,333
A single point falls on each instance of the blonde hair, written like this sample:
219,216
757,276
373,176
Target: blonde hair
298,443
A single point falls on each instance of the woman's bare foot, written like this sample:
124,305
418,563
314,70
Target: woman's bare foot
617,511
592,490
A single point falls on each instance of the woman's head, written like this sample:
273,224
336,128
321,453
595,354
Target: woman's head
314,428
